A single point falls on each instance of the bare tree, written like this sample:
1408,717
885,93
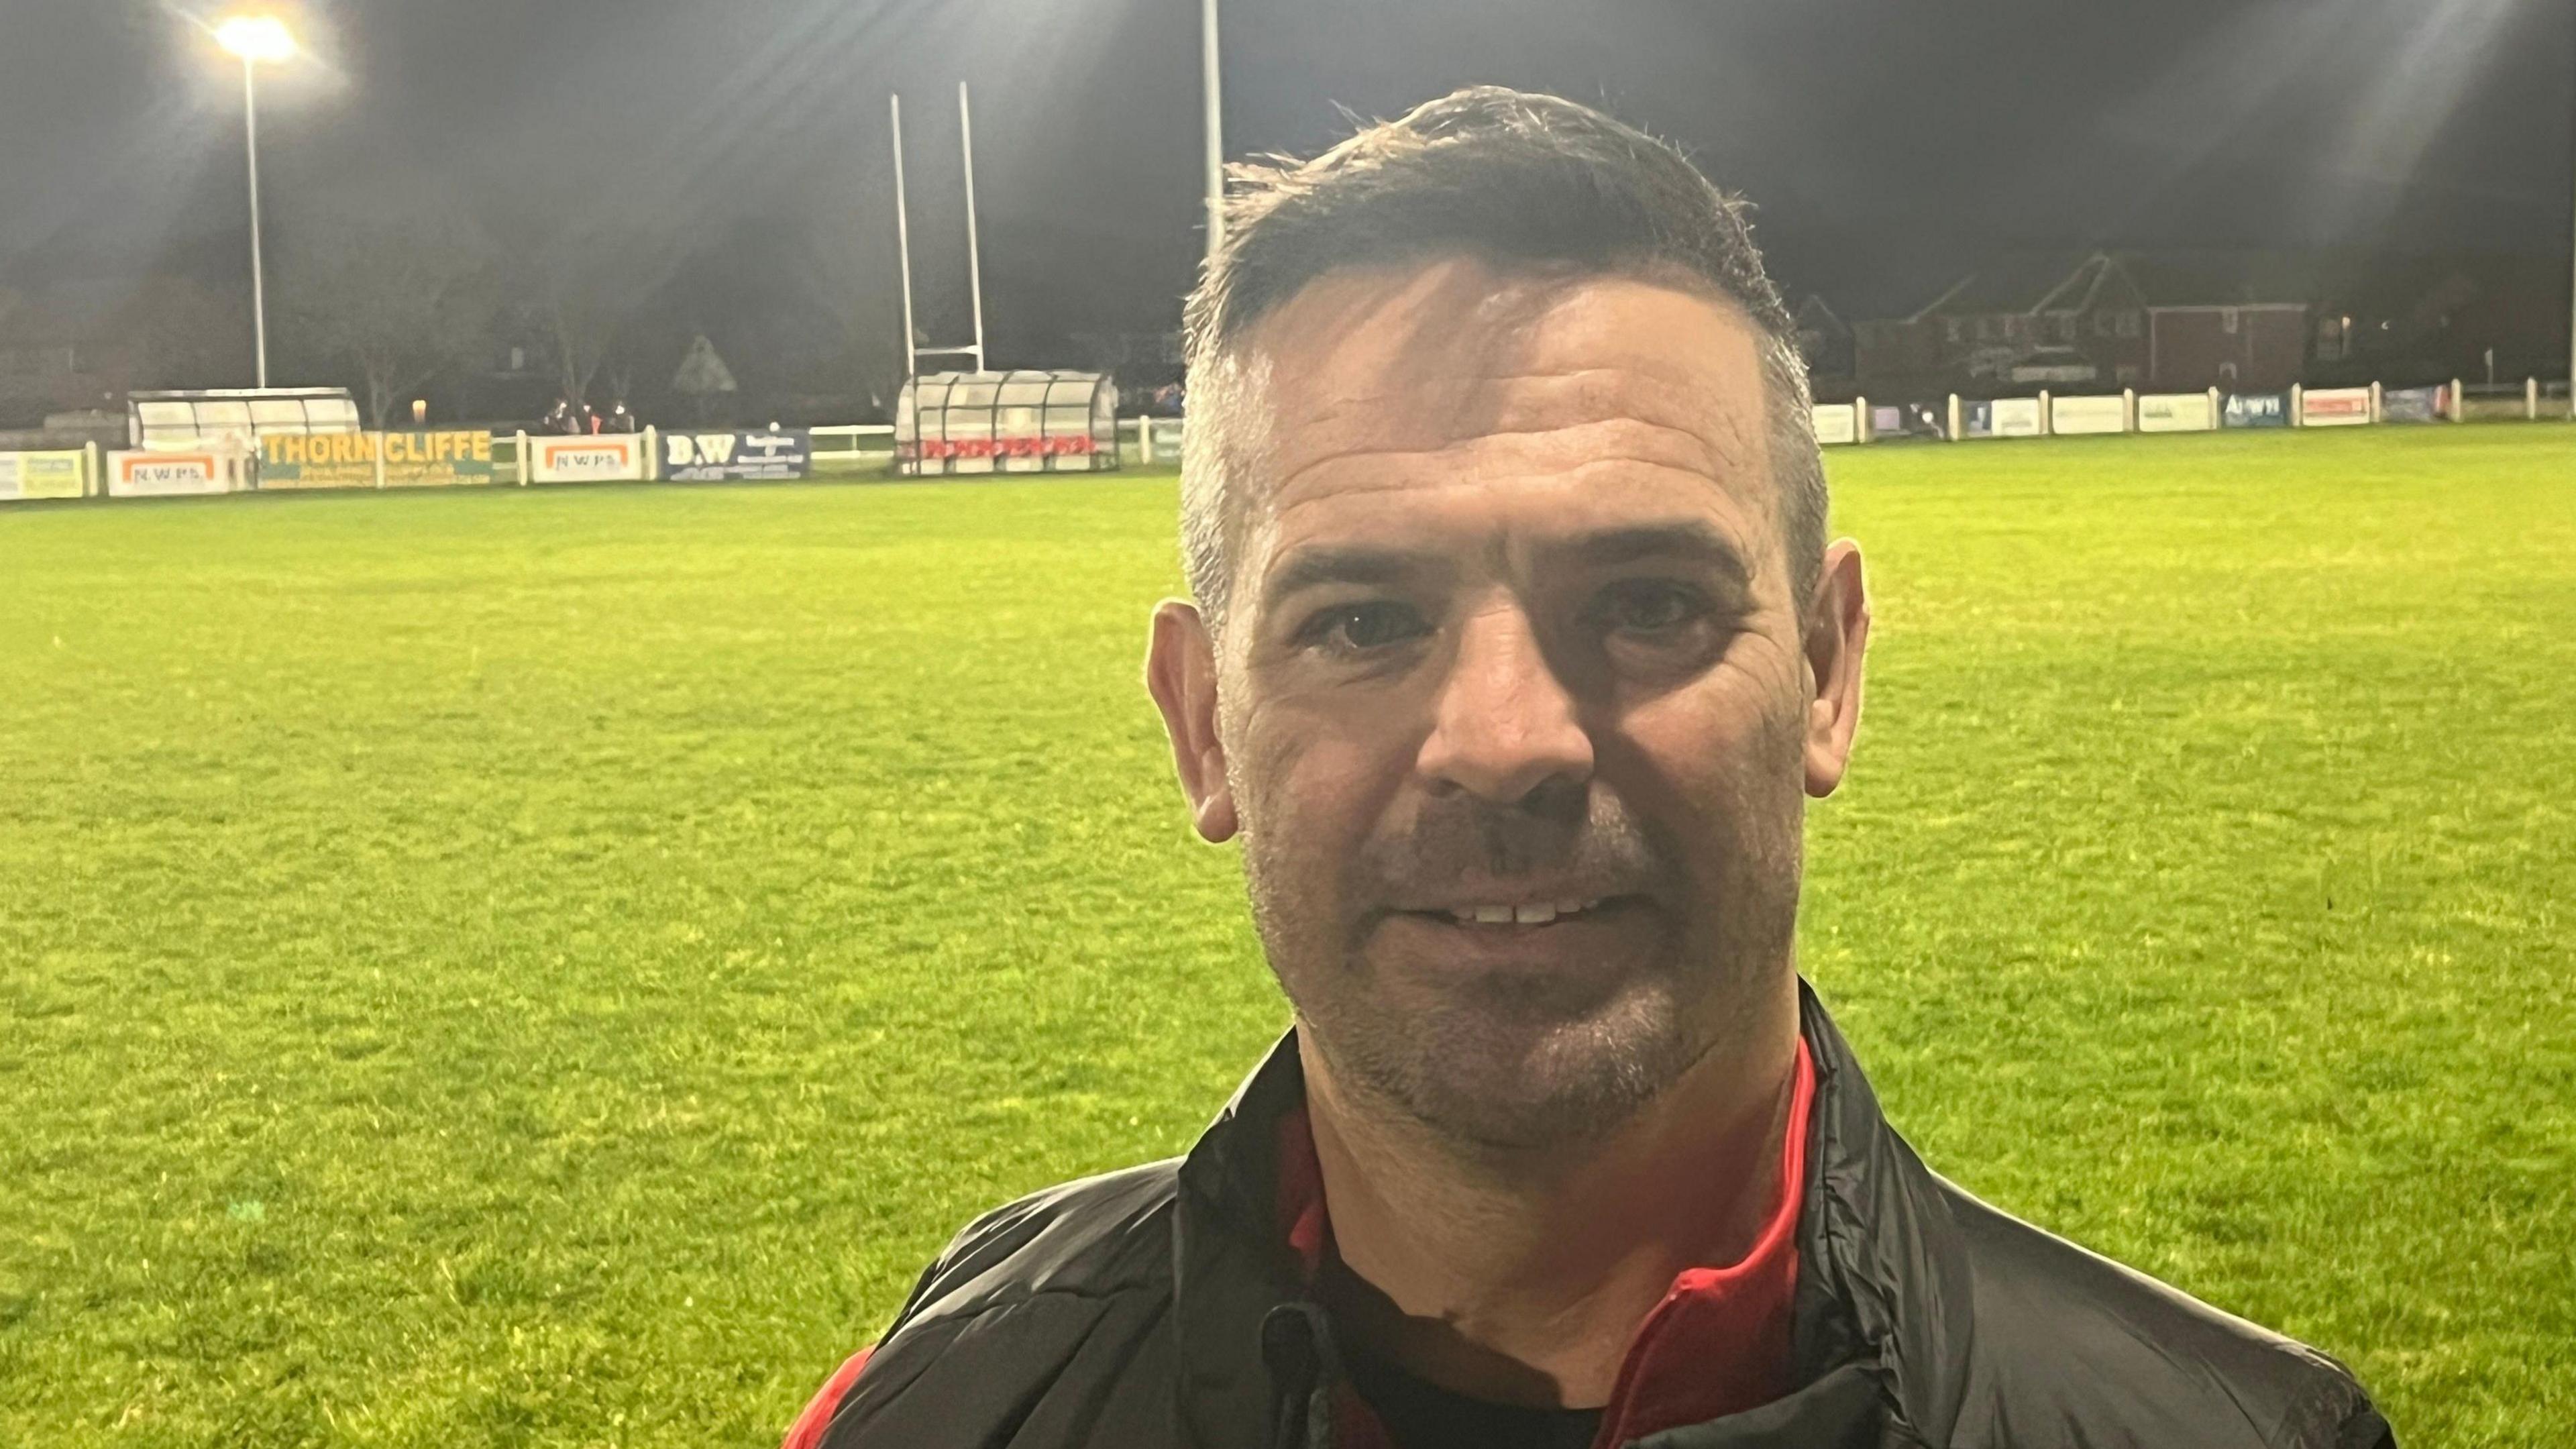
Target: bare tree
582,303
401,296
584,283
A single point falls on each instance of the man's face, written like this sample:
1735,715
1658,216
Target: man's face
1512,704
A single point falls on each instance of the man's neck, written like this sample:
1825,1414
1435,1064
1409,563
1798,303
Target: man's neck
1521,1278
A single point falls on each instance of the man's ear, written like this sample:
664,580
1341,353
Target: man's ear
1180,672
1837,636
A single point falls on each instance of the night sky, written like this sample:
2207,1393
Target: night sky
742,145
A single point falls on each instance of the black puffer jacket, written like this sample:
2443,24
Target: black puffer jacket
1159,1306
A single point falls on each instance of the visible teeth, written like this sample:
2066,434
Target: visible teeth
1534,913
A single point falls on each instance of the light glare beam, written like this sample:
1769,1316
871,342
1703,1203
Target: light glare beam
256,38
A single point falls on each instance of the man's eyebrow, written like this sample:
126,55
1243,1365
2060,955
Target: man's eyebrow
1346,564
1688,542
1309,568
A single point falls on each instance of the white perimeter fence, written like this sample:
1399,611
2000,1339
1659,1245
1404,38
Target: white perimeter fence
433,458
1956,419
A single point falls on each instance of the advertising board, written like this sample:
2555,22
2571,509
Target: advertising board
2070,415
42,475
1976,420
609,458
2256,410
172,475
2414,404
712,457
348,460
1075,446
2178,412
1836,423
2016,417
2334,407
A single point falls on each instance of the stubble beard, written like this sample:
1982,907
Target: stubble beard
1495,1064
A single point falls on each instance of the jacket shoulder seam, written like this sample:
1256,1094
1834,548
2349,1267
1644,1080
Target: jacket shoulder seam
1017,1296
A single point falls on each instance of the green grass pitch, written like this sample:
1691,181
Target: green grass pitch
546,967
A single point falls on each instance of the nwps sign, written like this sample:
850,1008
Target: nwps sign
711,457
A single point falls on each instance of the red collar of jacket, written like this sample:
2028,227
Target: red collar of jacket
1717,1344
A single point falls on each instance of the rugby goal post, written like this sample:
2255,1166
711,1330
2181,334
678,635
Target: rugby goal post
912,350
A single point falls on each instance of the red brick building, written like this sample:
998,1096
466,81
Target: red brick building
2095,322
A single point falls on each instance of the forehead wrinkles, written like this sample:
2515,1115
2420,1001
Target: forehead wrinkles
1654,415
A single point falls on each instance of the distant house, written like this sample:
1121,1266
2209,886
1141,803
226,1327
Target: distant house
1824,339
2234,320
2257,346
85,344
60,350
2094,322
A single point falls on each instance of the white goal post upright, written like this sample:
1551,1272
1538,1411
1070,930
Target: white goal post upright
1212,98
902,233
974,250
903,239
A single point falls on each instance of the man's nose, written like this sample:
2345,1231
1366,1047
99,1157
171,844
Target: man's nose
1504,723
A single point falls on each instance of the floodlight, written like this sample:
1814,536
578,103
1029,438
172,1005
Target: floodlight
256,38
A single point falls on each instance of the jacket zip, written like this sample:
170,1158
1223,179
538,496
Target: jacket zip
1297,1348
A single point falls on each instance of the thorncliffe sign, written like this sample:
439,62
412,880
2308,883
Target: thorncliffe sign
349,460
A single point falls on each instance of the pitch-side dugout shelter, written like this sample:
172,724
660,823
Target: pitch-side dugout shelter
1006,422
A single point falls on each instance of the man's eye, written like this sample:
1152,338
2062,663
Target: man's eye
1648,607
1355,628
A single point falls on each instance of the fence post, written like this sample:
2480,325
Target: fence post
522,455
2459,403
2298,406
376,445
2128,410
1145,442
2530,400
2047,416
652,454
1860,419
1954,417
2374,402
2217,417
96,477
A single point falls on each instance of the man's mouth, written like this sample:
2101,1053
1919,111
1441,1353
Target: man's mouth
1570,939
1520,913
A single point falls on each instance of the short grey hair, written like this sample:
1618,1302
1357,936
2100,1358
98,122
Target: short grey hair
1513,177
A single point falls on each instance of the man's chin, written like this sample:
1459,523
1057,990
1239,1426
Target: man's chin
1507,1066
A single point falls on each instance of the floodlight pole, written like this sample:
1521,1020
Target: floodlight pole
902,237
1211,95
258,271
974,251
